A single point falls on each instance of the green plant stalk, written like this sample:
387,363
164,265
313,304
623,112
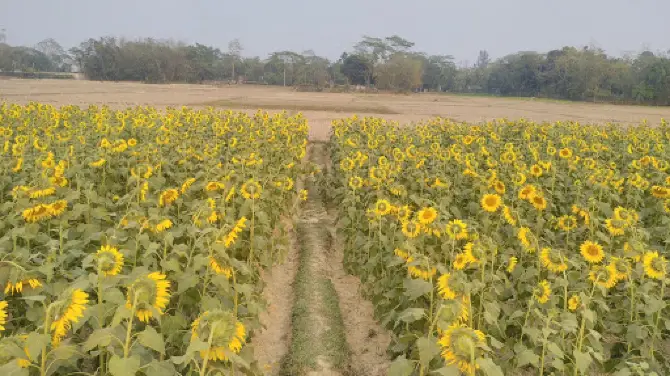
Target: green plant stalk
582,326
657,321
47,323
129,329
101,313
251,232
203,369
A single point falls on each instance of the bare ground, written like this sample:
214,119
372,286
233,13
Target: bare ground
271,343
320,108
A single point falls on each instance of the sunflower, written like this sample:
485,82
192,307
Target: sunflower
110,260
231,237
660,192
527,239
213,186
443,287
573,303
148,294
382,207
604,276
162,226
553,260
17,287
615,227
355,182
526,192
655,266
187,184
628,216
499,187
457,229
509,216
347,164
411,228
99,163
222,331
3,315
402,254
461,261
427,215
39,193
403,213
542,292
421,269
538,201
460,345
536,170
519,178
37,213
567,222
592,251
565,153
491,202
303,195
511,264
68,313
230,195
218,266
57,208
167,197
251,190
451,311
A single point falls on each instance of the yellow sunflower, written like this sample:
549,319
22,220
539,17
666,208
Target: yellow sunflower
71,310
509,216
461,261
355,182
427,215
37,213
403,213
655,266
527,239
592,251
223,333
411,228
457,229
382,207
511,264
3,315
443,287
615,227
167,197
187,184
538,201
491,202
251,190
536,170
565,153
460,345
219,267
573,303
660,192
527,191
148,294
553,260
57,208
567,222
110,260
542,292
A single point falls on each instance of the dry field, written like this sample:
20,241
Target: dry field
319,108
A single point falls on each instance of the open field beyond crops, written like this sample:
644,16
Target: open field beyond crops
320,108
215,239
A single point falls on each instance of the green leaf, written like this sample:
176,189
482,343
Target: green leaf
156,368
124,366
411,314
447,371
401,367
428,349
526,357
152,339
13,369
35,343
554,349
99,338
489,368
582,360
415,288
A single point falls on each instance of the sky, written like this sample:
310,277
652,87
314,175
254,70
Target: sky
457,28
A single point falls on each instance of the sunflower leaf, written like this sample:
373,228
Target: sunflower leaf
124,366
428,349
152,339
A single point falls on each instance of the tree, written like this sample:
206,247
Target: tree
402,72
439,73
234,51
59,57
356,68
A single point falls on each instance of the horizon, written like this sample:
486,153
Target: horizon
593,24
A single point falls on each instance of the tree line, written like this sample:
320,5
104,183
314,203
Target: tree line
391,63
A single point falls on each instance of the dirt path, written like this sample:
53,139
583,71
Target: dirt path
272,342
333,329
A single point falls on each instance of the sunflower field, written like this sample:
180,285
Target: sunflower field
509,247
131,241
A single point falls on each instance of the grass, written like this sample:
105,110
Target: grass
335,338
300,106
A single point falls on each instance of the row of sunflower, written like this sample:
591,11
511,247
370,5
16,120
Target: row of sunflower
510,247
132,241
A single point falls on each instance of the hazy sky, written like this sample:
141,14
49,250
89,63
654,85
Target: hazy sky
460,28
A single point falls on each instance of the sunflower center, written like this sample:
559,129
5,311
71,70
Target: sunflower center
593,250
491,201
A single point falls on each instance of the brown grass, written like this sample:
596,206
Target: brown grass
321,108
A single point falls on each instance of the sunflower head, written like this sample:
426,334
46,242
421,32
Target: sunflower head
227,335
427,215
655,266
110,260
542,292
148,294
382,207
592,251
451,311
457,229
460,345
411,228
251,190
573,303
491,202
553,260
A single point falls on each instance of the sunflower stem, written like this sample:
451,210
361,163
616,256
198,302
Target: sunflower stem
43,364
657,321
203,369
129,329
